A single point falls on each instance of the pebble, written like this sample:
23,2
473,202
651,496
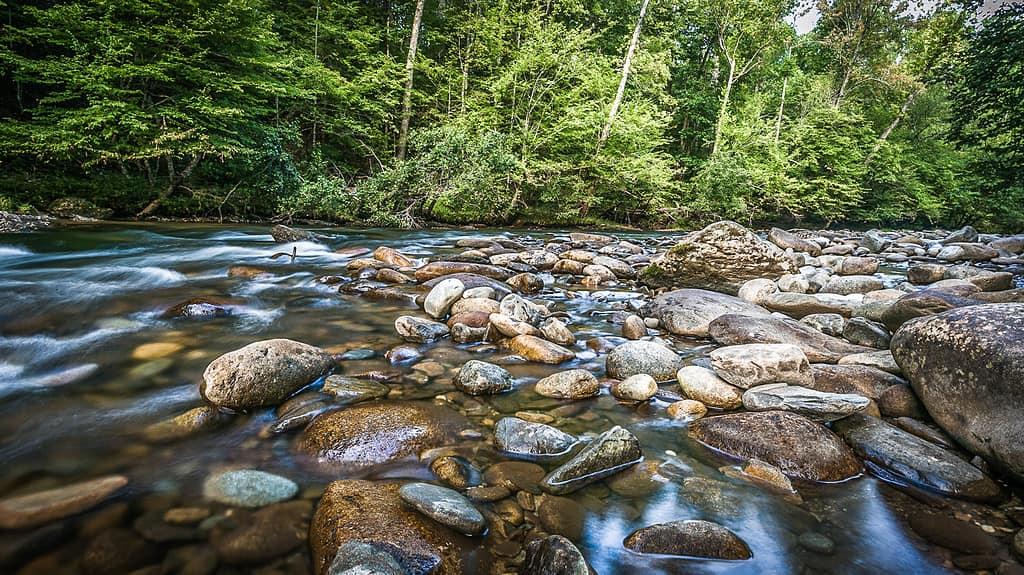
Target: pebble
446,506
248,488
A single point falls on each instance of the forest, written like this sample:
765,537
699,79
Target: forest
402,113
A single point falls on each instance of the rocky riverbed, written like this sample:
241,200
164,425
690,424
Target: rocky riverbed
207,400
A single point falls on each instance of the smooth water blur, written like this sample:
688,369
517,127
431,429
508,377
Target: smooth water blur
76,389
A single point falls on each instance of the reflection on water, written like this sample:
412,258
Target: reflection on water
76,389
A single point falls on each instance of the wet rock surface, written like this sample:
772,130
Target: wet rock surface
692,538
798,446
262,373
536,453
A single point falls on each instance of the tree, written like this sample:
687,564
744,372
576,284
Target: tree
410,61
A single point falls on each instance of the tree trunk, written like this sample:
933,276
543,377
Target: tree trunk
724,108
175,180
892,125
782,107
625,75
414,39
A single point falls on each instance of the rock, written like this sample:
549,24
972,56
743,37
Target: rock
882,360
799,305
870,382
952,533
520,309
78,208
446,506
900,401
515,476
874,241
915,460
438,269
639,387
455,472
554,555
964,234
526,282
634,327
920,304
796,445
358,558
262,373
967,367
248,488
392,257
571,384
688,312
561,516
754,364
785,240
984,279
533,348
442,296
856,266
555,331
509,327
634,357
186,515
966,252
703,385
861,331
472,282
185,425
351,391
374,433
814,405
372,513
692,538
481,378
686,409
926,273
199,307
846,285
609,453
519,437
117,551
268,533
827,323
475,305
419,330
756,291
721,257
816,543
284,235
41,507
14,223
734,329
794,283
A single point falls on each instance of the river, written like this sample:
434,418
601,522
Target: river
78,384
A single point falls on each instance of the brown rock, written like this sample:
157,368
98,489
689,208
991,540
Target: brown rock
23,511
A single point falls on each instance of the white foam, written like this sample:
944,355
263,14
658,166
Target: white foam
13,251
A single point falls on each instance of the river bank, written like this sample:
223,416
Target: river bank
552,380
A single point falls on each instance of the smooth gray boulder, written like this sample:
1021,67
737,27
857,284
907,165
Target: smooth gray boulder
967,367
915,460
263,373
688,312
815,405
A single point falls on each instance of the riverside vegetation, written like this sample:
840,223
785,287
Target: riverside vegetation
338,402
397,113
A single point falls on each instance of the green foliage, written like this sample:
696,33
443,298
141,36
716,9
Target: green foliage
249,108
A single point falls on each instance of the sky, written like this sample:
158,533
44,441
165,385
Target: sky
804,22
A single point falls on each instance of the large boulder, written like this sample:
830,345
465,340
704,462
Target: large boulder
689,311
374,433
922,303
373,513
967,366
914,459
798,446
721,257
262,373
736,329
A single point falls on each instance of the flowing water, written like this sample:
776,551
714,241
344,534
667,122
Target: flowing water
76,389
